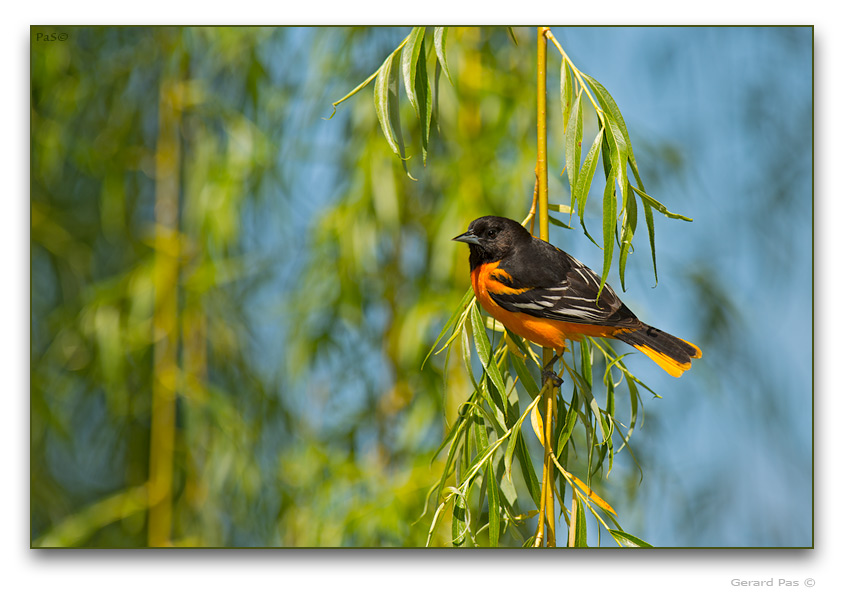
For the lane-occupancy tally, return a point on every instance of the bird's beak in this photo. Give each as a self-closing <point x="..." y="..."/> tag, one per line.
<point x="468" y="237"/>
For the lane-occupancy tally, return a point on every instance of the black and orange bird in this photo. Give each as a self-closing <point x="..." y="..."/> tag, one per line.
<point x="542" y="294"/>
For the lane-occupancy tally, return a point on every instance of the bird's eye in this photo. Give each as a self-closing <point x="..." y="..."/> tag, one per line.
<point x="492" y="233"/>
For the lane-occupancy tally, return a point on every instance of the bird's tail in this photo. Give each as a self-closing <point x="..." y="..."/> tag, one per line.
<point x="673" y="354"/>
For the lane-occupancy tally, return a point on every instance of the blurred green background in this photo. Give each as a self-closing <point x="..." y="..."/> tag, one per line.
<point x="231" y="296"/>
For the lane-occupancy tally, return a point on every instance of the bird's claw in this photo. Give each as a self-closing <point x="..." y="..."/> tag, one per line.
<point x="549" y="375"/>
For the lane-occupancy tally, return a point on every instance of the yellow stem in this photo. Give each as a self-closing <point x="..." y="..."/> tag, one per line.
<point x="546" y="512"/>
<point x="165" y="325"/>
<point x="577" y="75"/>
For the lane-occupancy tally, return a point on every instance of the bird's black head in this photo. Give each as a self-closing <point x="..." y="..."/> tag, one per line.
<point x="492" y="238"/>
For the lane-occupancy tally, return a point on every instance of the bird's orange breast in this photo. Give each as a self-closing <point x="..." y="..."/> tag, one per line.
<point x="543" y="331"/>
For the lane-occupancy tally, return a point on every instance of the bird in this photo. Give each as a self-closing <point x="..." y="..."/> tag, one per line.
<point x="543" y="294"/>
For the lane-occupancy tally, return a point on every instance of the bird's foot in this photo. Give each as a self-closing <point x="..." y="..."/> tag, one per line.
<point x="549" y="375"/>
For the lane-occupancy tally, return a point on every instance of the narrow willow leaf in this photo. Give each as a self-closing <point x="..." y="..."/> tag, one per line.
<point x="566" y="92"/>
<point x="558" y="223"/>
<point x="584" y="179"/>
<point x="563" y="208"/>
<point x="580" y="526"/>
<point x="536" y="423"/>
<point x="634" y="403"/>
<point x="518" y="342"/>
<point x="423" y="96"/>
<point x="586" y="361"/>
<point x="467" y="354"/>
<point x="459" y="526"/>
<point x="587" y="394"/>
<point x="628" y="228"/>
<point x="568" y="427"/>
<point x="650" y="201"/>
<point x="533" y="391"/>
<point x="599" y="417"/>
<point x="649" y="216"/>
<point x="485" y="350"/>
<point x="387" y="106"/>
<point x="525" y="377"/>
<point x="574" y="138"/>
<point x="493" y="501"/>
<point x="435" y="113"/>
<point x="515" y="433"/>
<point x="629" y="540"/>
<point x="467" y="297"/>
<point x="619" y="158"/>
<point x="385" y="92"/>
<point x="449" y="439"/>
<point x="456" y="444"/>
<point x="610" y="106"/>
<point x="609" y="229"/>
<point x="624" y="148"/>
<point x="592" y="496"/>
<point x="610" y="412"/>
<point x="649" y="221"/>
<point x="409" y="61"/>
<point x="352" y="93"/>
<point x="513" y="35"/>
<point x="440" y="35"/>
<point x="526" y="465"/>
<point x="614" y="152"/>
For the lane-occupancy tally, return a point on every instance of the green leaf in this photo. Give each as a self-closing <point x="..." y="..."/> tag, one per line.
<point x="513" y="443"/>
<point x="440" y="34"/>
<point x="385" y="91"/>
<point x="527" y="468"/>
<point x="574" y="138"/>
<point x="619" y="158"/>
<point x="423" y="95"/>
<point x="387" y="106"/>
<point x="609" y="419"/>
<point x="409" y="61"/>
<point x="459" y="521"/>
<point x="649" y="221"/>
<point x="457" y="432"/>
<point x="494" y="505"/>
<point x="580" y="526"/>
<point x="584" y="179"/>
<point x="628" y="540"/>
<point x="628" y="228"/>
<point x="416" y="83"/>
<point x="525" y="377"/>
<point x="586" y="390"/>
<point x="609" y="230"/>
<point x="566" y="92"/>
<point x="448" y="439"/>
<point x="568" y="427"/>
<point x="650" y="201"/>
<point x="352" y="92"/>
<point x="611" y="107"/>
<point x="485" y="350"/>
<point x="467" y="296"/>
<point x="533" y="391"/>
<point x="513" y="36"/>
<point x="586" y="361"/>
<point x="558" y="223"/>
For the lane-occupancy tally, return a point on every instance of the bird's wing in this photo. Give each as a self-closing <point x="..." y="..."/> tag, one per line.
<point x="566" y="290"/>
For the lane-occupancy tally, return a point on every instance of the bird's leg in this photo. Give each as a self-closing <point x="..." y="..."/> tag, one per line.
<point x="548" y="372"/>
